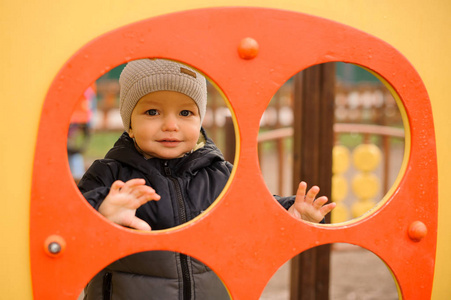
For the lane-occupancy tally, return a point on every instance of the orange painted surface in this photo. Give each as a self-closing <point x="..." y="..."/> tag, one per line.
<point x="82" y="113"/>
<point x="243" y="239"/>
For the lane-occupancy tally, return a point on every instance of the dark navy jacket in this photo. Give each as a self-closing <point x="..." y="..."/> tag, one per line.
<point x="187" y="186"/>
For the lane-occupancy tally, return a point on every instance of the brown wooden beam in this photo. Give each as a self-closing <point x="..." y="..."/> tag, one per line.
<point x="230" y="142"/>
<point x="312" y="162"/>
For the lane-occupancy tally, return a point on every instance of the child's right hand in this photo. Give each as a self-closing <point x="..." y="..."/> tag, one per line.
<point x="124" y="199"/>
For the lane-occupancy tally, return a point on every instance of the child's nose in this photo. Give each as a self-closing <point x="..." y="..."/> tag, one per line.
<point x="170" y="123"/>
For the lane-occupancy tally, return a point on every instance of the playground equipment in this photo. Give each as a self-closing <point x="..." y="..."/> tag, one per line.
<point x="248" y="59"/>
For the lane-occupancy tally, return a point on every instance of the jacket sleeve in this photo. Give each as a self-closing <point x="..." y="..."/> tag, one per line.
<point x="286" y="202"/>
<point x="96" y="182"/>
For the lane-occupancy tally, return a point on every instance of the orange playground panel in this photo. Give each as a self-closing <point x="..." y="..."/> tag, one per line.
<point x="246" y="236"/>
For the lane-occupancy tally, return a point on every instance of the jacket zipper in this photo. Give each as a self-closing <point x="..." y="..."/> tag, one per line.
<point x="183" y="219"/>
<point x="107" y="286"/>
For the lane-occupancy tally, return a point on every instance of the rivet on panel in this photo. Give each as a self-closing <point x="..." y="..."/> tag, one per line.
<point x="417" y="231"/>
<point x="248" y="48"/>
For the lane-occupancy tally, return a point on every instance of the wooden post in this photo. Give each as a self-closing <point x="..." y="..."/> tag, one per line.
<point x="230" y="144"/>
<point x="280" y="146"/>
<point x="312" y="163"/>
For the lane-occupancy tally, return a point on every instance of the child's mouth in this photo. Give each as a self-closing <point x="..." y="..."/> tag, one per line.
<point x="169" y="143"/>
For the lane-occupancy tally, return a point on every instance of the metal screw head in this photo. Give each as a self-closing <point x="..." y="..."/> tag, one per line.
<point x="54" y="248"/>
<point x="54" y="245"/>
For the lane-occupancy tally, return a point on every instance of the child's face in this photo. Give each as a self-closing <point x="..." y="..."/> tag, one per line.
<point x="165" y="124"/>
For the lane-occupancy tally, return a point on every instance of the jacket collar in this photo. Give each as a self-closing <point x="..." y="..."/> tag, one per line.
<point x="125" y="152"/>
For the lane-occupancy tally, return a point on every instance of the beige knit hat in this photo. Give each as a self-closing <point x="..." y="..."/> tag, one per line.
<point x="144" y="76"/>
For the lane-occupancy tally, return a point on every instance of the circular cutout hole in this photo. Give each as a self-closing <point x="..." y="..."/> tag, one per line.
<point x="96" y="126"/>
<point x="156" y="274"/>
<point x="365" y="140"/>
<point x="355" y="273"/>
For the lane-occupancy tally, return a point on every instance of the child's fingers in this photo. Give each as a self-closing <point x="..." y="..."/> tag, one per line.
<point x="132" y="183"/>
<point x="144" y="190"/>
<point x="140" y="189"/>
<point x="138" y="224"/>
<point x="312" y="192"/>
<point x="318" y="203"/>
<point x="327" y="208"/>
<point x="116" y="186"/>
<point x="146" y="197"/>
<point x="300" y="193"/>
<point x="139" y="195"/>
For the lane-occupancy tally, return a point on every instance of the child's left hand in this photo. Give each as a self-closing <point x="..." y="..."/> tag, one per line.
<point x="305" y="206"/>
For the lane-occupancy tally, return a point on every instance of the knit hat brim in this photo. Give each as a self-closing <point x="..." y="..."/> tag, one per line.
<point x="144" y="76"/>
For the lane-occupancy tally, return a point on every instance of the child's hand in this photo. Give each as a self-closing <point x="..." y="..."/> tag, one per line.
<point x="305" y="206"/>
<point x="123" y="200"/>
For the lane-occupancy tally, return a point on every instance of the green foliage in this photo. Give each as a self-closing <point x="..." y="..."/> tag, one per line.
<point x="100" y="142"/>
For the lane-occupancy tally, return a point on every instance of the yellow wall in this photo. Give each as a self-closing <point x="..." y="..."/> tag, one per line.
<point x="37" y="37"/>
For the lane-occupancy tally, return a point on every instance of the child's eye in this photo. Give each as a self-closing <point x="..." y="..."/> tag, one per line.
<point x="152" y="112"/>
<point x="185" y="113"/>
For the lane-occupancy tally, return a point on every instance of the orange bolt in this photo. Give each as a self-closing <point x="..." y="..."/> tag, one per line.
<point x="417" y="231"/>
<point x="248" y="48"/>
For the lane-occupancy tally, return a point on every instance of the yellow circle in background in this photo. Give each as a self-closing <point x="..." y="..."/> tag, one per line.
<point x="340" y="159"/>
<point x="339" y="188"/>
<point x="365" y="185"/>
<point x="340" y="213"/>
<point x="366" y="157"/>
<point x="361" y="207"/>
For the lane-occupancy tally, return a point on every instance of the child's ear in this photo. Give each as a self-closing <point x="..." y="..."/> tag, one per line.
<point x="130" y="133"/>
